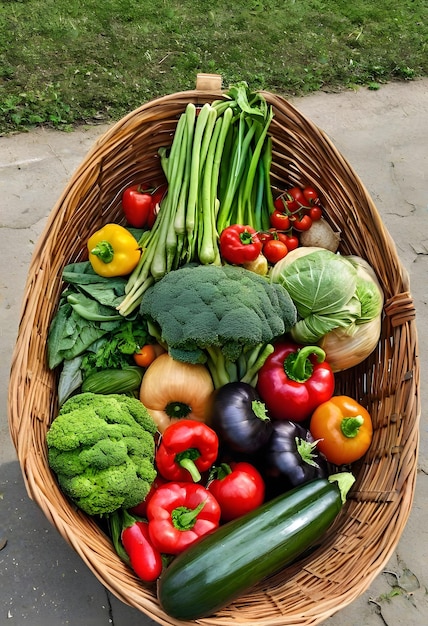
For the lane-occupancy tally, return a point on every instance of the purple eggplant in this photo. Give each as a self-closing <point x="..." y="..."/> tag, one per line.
<point x="292" y="456"/>
<point x="240" y="419"/>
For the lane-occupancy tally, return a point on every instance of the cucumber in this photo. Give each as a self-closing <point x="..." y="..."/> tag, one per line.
<point x="114" y="380"/>
<point x="224" y="564"/>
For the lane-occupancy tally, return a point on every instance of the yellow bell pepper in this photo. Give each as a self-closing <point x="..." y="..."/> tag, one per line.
<point x="113" y="251"/>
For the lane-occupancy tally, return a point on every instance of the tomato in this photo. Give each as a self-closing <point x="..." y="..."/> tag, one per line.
<point x="296" y="194"/>
<point x="275" y="250"/>
<point x="280" y="220"/>
<point x="273" y="233"/>
<point x="282" y="237"/>
<point x="292" y="242"/>
<point x="238" y="488"/>
<point x="145" y="355"/>
<point x="286" y="203"/>
<point x="311" y="195"/>
<point x="280" y="203"/>
<point x="302" y="223"/>
<point x="265" y="235"/>
<point x="315" y="213"/>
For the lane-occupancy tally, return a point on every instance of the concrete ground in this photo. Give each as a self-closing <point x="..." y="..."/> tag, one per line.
<point x="384" y="135"/>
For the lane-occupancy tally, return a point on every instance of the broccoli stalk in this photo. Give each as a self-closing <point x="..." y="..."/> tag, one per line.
<point x="245" y="370"/>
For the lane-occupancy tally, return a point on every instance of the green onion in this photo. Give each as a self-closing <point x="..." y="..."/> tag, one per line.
<point x="218" y="173"/>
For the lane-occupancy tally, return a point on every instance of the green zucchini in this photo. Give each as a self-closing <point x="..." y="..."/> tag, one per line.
<point x="114" y="380"/>
<point x="226" y="563"/>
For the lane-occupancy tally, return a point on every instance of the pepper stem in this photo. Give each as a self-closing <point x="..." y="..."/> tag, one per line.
<point x="184" y="518"/>
<point x="186" y="459"/>
<point x="246" y="237"/>
<point x="104" y="251"/>
<point x="297" y="365"/>
<point x="220" y="472"/>
<point x="350" y="426"/>
<point x="190" y="466"/>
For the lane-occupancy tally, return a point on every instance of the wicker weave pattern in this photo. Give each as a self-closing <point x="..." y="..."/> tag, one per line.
<point x="387" y="383"/>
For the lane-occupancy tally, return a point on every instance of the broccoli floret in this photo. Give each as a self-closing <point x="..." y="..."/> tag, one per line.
<point x="212" y="314"/>
<point x="119" y="409"/>
<point x="101" y="447"/>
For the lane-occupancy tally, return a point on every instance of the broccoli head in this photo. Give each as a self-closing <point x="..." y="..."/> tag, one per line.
<point x="211" y="312"/>
<point x="101" y="448"/>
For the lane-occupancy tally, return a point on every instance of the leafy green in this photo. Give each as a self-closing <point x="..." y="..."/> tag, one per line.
<point x="114" y="350"/>
<point x="70" y="334"/>
<point x="319" y="283"/>
<point x="70" y="379"/>
<point x="106" y="291"/>
<point x="87" y="323"/>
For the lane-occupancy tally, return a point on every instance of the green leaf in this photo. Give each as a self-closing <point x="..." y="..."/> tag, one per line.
<point x="70" y="379"/>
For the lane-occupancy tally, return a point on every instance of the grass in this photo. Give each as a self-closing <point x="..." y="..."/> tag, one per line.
<point x="67" y="62"/>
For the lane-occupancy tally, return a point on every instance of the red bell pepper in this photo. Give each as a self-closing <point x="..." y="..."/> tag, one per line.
<point x="179" y="514"/>
<point x="133" y="544"/>
<point x="239" y="244"/>
<point x="294" y="380"/>
<point x="238" y="488"/>
<point x="140" y="204"/>
<point x="187" y="448"/>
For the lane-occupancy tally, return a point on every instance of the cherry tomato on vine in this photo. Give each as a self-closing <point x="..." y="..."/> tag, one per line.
<point x="280" y="220"/>
<point x="273" y="233"/>
<point x="275" y="250"/>
<point x="282" y="237"/>
<point x="292" y="242"/>
<point x="265" y="235"/>
<point x="302" y="223"/>
<point x="315" y="213"/>
<point x="296" y="194"/>
<point x="280" y="203"/>
<point x="311" y="195"/>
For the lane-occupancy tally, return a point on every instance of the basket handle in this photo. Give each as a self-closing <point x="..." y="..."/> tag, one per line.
<point x="208" y="82"/>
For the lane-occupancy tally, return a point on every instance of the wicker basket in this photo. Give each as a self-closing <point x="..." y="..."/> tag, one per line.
<point x="387" y="383"/>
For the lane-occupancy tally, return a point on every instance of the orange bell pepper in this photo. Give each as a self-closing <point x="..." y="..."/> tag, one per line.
<point x="343" y="429"/>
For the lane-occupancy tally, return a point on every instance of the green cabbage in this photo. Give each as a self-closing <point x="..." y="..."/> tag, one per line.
<point x="329" y="291"/>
